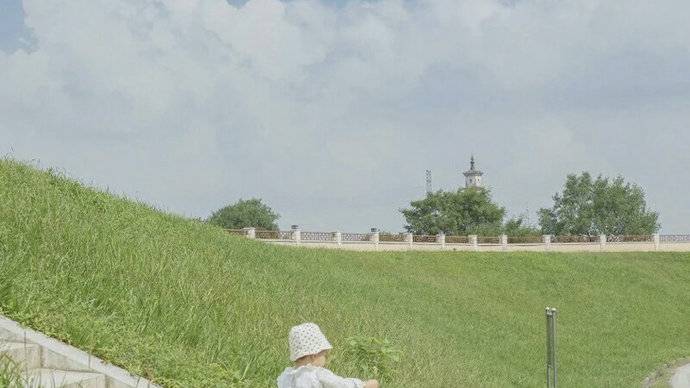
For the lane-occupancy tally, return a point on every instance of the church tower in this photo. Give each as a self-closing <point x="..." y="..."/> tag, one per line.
<point x="473" y="177"/>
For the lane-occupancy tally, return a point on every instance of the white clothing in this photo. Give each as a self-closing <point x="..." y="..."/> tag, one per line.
<point x="310" y="376"/>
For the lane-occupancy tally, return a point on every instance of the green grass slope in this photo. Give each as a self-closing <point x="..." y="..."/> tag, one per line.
<point x="187" y="305"/>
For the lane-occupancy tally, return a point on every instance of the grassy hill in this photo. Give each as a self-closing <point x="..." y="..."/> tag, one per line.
<point x="187" y="305"/>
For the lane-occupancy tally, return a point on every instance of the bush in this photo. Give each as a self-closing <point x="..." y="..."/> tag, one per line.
<point x="245" y="213"/>
<point x="373" y="357"/>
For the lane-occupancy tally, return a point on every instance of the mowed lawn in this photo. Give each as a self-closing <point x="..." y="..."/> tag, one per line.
<point x="187" y="305"/>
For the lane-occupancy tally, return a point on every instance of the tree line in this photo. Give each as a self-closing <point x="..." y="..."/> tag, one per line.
<point x="585" y="206"/>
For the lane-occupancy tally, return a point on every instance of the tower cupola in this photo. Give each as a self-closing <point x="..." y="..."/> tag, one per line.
<point x="473" y="177"/>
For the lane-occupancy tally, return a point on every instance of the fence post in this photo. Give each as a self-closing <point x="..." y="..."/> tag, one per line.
<point x="504" y="241"/>
<point x="602" y="241"/>
<point x="338" y="238"/>
<point x="374" y="236"/>
<point x="657" y="241"/>
<point x="551" y="370"/>
<point x="250" y="232"/>
<point x="441" y="239"/>
<point x="409" y="238"/>
<point x="296" y="234"/>
<point x="473" y="241"/>
<point x="547" y="241"/>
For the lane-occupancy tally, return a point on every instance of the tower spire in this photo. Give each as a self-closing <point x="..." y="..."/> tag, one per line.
<point x="473" y="177"/>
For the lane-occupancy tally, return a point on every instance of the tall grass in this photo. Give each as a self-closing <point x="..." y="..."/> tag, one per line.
<point x="11" y="373"/>
<point x="187" y="305"/>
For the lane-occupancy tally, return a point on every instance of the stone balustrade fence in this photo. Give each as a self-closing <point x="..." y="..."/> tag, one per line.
<point x="375" y="240"/>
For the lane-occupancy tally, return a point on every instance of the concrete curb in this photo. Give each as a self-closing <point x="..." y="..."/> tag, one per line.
<point x="75" y="355"/>
<point x="681" y="377"/>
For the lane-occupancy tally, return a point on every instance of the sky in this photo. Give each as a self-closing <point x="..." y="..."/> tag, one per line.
<point x="331" y="111"/>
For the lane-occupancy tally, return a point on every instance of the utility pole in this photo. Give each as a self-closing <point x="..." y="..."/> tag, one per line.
<point x="551" y="370"/>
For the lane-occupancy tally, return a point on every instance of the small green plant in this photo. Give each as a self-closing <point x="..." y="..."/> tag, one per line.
<point x="373" y="356"/>
<point x="10" y="373"/>
<point x="214" y="375"/>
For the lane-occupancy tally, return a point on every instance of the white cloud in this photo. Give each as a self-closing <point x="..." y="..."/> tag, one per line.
<point x="332" y="113"/>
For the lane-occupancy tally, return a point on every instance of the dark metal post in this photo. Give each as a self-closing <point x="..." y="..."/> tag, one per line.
<point x="551" y="370"/>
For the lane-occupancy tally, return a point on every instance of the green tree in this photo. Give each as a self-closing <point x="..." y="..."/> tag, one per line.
<point x="517" y="227"/>
<point x="466" y="211"/>
<point x="245" y="213"/>
<point x="590" y="206"/>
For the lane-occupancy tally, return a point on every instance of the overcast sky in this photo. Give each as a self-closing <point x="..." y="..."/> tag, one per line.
<point x="331" y="111"/>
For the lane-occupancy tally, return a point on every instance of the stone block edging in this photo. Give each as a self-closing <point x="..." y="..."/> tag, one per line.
<point x="76" y="355"/>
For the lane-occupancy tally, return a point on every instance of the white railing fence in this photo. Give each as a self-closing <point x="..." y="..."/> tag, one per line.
<point x="376" y="237"/>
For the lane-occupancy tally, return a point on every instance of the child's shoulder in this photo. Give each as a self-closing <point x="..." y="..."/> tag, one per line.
<point x="302" y="370"/>
<point x="307" y="375"/>
<point x="305" y="369"/>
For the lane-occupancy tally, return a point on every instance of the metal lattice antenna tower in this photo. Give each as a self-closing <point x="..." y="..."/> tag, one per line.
<point x="428" y="181"/>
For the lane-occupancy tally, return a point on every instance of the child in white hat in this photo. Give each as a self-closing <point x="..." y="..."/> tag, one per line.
<point x="308" y="348"/>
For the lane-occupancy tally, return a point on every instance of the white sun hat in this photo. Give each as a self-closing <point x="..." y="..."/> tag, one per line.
<point x="307" y="339"/>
